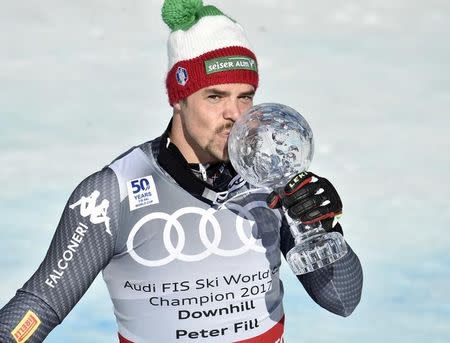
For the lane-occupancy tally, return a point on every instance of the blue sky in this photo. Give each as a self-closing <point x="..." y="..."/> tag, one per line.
<point x="83" y="81"/>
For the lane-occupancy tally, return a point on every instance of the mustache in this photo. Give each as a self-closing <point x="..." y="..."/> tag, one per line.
<point x="224" y="127"/>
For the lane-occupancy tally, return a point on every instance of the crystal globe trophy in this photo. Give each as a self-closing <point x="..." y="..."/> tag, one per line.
<point x="268" y="146"/>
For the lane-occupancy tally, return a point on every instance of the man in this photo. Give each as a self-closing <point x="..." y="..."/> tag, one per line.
<point x="189" y="251"/>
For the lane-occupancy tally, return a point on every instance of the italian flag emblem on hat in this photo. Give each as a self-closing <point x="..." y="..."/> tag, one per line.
<point x="205" y="48"/>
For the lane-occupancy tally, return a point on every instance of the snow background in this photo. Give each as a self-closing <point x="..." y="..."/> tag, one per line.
<point x="81" y="82"/>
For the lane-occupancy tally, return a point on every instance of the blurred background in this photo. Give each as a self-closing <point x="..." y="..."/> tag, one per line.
<point x="81" y="82"/>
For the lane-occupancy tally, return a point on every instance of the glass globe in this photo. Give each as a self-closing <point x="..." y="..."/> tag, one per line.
<point x="270" y="144"/>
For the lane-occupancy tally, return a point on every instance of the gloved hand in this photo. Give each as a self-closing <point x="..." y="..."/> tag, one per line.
<point x="310" y="199"/>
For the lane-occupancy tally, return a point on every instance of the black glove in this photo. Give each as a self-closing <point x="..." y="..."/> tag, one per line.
<point x="310" y="199"/>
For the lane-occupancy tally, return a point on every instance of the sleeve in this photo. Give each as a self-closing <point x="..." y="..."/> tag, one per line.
<point x="336" y="287"/>
<point x="81" y="247"/>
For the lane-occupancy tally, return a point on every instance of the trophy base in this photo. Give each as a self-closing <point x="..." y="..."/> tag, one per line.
<point x="315" y="252"/>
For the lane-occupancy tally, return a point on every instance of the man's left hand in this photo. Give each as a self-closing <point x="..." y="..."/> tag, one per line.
<point x="310" y="199"/>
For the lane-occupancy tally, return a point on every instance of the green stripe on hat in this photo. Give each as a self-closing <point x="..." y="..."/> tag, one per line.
<point x="230" y="63"/>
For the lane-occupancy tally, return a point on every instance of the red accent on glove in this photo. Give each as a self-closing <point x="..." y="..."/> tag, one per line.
<point x="303" y="183"/>
<point x="274" y="202"/>
<point x="322" y="217"/>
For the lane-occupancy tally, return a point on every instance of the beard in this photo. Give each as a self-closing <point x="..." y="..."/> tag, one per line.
<point x="215" y="147"/>
<point x="220" y="154"/>
<point x="224" y="128"/>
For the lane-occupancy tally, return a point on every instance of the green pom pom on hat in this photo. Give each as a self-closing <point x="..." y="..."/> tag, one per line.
<point x="183" y="14"/>
<point x="205" y="47"/>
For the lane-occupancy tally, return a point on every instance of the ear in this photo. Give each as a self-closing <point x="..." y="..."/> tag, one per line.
<point x="177" y="107"/>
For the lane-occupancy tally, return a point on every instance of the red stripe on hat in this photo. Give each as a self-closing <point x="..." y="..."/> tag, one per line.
<point x="196" y="77"/>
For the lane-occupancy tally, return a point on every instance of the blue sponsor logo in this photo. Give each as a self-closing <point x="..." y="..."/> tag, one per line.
<point x="182" y="76"/>
<point x="142" y="192"/>
<point x="140" y="185"/>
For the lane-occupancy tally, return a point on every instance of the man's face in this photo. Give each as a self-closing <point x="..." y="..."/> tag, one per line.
<point x="208" y="115"/>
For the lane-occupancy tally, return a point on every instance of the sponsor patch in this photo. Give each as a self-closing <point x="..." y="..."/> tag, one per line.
<point x="230" y="63"/>
<point x="27" y="326"/>
<point x="182" y="76"/>
<point x="142" y="192"/>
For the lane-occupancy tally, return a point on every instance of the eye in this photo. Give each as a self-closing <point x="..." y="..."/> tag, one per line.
<point x="246" y="98"/>
<point x="214" y="98"/>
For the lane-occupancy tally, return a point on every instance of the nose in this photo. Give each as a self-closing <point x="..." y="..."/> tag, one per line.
<point x="232" y="110"/>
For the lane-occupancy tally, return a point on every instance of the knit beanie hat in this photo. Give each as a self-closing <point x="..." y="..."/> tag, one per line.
<point x="205" y="47"/>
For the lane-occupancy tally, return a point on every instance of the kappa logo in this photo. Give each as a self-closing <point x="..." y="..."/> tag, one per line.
<point x="182" y="76"/>
<point x="236" y="183"/>
<point x="97" y="213"/>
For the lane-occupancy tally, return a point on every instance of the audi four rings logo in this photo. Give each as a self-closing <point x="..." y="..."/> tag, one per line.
<point x="211" y="247"/>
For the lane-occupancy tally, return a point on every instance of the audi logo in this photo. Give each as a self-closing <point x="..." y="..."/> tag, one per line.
<point x="211" y="247"/>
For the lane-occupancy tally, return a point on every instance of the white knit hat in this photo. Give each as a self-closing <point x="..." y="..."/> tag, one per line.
<point x="204" y="48"/>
